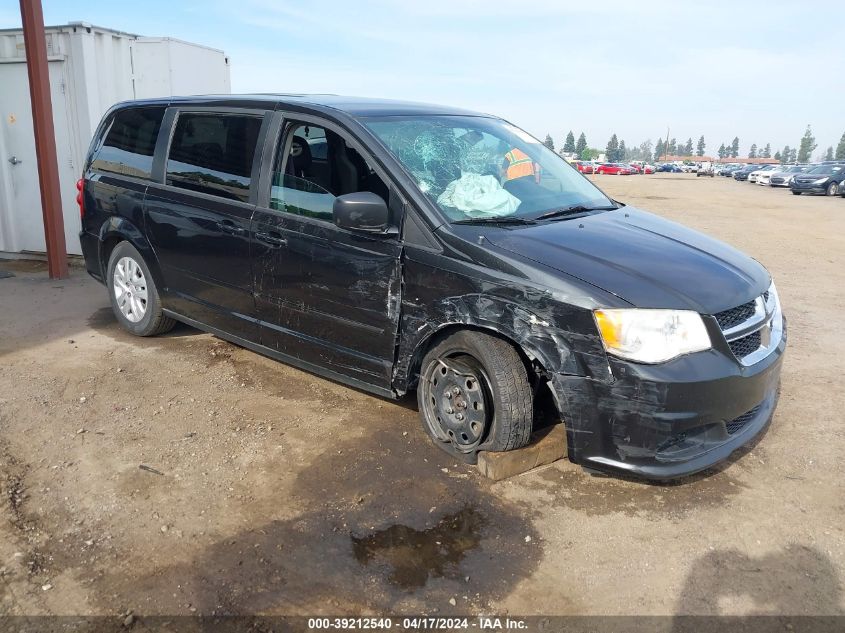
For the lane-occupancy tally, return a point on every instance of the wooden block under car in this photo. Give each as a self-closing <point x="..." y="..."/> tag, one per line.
<point x="546" y="446"/>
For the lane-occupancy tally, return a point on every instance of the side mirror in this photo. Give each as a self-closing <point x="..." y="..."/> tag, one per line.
<point x="361" y="211"/>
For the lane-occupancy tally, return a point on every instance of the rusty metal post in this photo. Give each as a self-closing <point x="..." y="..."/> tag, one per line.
<point x="35" y="44"/>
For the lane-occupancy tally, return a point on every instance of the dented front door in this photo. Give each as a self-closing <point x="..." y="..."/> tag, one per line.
<point x="326" y="295"/>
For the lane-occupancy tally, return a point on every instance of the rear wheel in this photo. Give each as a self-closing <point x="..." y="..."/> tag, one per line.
<point x="134" y="297"/>
<point x="474" y="395"/>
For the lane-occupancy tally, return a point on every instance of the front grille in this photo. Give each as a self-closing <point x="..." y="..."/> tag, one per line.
<point x="733" y="317"/>
<point x="777" y="181"/>
<point x="756" y="314"/>
<point x="732" y="426"/>
<point x="744" y="346"/>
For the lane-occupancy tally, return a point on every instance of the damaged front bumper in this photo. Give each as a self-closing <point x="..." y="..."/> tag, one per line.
<point x="669" y="420"/>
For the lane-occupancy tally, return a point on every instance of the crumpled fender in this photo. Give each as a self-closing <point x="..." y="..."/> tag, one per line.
<point x="554" y="337"/>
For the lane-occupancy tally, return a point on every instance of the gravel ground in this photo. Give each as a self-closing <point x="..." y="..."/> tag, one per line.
<point x="182" y="474"/>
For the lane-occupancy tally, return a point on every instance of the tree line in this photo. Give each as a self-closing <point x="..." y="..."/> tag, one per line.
<point x="617" y="150"/>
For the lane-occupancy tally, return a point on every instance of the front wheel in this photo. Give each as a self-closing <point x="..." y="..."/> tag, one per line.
<point x="134" y="297"/>
<point x="474" y="395"/>
<point x="796" y="193"/>
<point x="832" y="189"/>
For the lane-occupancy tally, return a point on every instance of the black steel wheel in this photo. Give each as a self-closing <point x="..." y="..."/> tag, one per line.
<point x="474" y="394"/>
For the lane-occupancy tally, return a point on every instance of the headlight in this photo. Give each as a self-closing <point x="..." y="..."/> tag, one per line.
<point x="651" y="336"/>
<point x="773" y="304"/>
<point x="819" y="181"/>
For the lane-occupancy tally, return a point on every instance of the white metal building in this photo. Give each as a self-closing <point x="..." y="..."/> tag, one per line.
<point x="90" y="68"/>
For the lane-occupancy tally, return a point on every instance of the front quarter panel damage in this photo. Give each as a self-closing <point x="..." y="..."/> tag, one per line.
<point x="555" y="334"/>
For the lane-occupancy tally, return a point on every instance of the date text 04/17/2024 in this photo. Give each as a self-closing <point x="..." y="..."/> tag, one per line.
<point x="422" y="623"/>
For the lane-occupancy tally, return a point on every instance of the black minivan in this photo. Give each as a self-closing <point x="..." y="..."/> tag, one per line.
<point x="398" y="246"/>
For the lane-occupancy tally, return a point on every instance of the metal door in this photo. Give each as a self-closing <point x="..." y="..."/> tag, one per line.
<point x="22" y="225"/>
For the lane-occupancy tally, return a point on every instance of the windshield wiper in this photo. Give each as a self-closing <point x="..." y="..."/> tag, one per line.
<point x="573" y="210"/>
<point x="509" y="219"/>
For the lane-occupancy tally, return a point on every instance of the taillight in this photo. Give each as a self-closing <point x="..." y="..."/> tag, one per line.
<point x="80" y="197"/>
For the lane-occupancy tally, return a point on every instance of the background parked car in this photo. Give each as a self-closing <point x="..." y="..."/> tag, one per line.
<point x="826" y="179"/>
<point x="584" y="167"/>
<point x="706" y="169"/>
<point x="783" y="176"/>
<point x="754" y="175"/>
<point x="614" y="169"/>
<point x="761" y="176"/>
<point x="742" y="174"/>
<point x="648" y="169"/>
<point x="728" y="169"/>
<point x="669" y="167"/>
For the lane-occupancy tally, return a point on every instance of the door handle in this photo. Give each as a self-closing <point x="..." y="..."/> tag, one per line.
<point x="228" y="226"/>
<point x="15" y="160"/>
<point x="272" y="238"/>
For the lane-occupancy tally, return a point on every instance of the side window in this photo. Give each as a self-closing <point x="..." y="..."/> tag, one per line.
<point x="213" y="153"/>
<point x="313" y="166"/>
<point x="130" y="142"/>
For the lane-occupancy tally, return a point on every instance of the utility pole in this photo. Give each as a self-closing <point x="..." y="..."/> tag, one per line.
<point x="35" y="45"/>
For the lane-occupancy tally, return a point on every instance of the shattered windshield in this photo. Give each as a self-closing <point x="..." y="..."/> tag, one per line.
<point x="481" y="167"/>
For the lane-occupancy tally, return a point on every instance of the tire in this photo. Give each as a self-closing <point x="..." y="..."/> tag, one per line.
<point x="797" y="193"/>
<point x="832" y="189"/>
<point x="474" y="395"/>
<point x="133" y="294"/>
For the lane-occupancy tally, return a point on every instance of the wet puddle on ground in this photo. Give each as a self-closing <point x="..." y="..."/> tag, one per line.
<point x="415" y="556"/>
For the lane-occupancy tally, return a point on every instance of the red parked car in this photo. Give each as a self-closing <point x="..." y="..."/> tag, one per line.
<point x="613" y="169"/>
<point x="584" y="168"/>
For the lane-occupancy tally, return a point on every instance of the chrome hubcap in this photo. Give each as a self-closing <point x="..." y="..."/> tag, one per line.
<point x="130" y="289"/>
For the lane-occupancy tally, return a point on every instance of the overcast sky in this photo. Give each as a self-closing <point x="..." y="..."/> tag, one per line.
<point x="758" y="70"/>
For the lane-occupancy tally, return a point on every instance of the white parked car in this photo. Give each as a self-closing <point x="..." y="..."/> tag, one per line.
<point x="766" y="172"/>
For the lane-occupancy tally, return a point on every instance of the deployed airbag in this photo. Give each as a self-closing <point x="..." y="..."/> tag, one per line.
<point x="477" y="195"/>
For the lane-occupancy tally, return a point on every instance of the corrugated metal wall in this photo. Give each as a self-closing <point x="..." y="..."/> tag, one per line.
<point x="95" y="68"/>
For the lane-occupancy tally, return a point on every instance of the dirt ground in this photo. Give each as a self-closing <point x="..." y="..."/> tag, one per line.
<point x="268" y="490"/>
